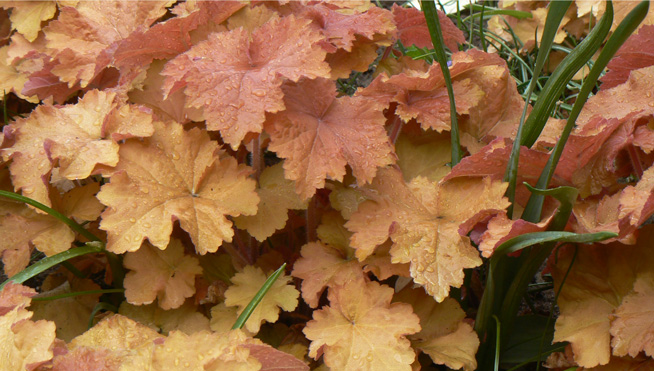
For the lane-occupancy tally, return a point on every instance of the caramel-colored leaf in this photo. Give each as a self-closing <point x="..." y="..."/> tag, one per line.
<point x="168" y="275"/>
<point x="247" y="283"/>
<point x="427" y="223"/>
<point x="277" y="198"/>
<point x="175" y="175"/>
<point x="362" y="330"/>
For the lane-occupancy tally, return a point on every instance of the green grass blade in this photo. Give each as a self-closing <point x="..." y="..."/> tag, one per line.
<point x="498" y="333"/>
<point x="436" y="34"/>
<point x="554" y="17"/>
<point x="534" y="206"/>
<point x="51" y="261"/>
<point x="69" y="222"/>
<point x="98" y="307"/>
<point x="530" y="239"/>
<point x="562" y="75"/>
<point x="240" y="321"/>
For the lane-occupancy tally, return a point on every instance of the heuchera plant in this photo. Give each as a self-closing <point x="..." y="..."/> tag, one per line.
<point x="166" y="158"/>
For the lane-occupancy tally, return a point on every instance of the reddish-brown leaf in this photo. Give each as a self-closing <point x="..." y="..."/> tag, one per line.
<point x="634" y="54"/>
<point x="318" y="134"/>
<point x="412" y="29"/>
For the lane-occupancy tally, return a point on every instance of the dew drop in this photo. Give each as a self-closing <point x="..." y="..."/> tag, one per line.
<point x="200" y="357"/>
<point x="430" y="269"/>
<point x="127" y="238"/>
<point x="259" y="92"/>
<point x="132" y="220"/>
<point x="356" y="356"/>
<point x="369" y="358"/>
<point x="176" y="361"/>
<point x="28" y="190"/>
<point x="145" y="190"/>
<point x="175" y="156"/>
<point x="180" y="67"/>
<point x="207" y="102"/>
<point x="146" y="225"/>
<point x="136" y="239"/>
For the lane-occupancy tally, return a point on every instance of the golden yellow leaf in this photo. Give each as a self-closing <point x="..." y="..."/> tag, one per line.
<point x="186" y="318"/>
<point x="362" y="330"/>
<point x="247" y="283"/>
<point x="168" y="275"/>
<point x="427" y="223"/>
<point x="277" y="196"/>
<point x="174" y="175"/>
<point x="24" y="342"/>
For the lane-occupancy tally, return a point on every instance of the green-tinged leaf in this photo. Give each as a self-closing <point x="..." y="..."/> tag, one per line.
<point x="628" y="25"/>
<point x="240" y="321"/>
<point x="436" y="34"/>
<point x="51" y="261"/>
<point x="554" y="17"/>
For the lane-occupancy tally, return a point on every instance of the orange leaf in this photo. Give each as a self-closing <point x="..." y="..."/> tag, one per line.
<point x="204" y="350"/>
<point x="427" y="223"/>
<point x="175" y="175"/>
<point x="83" y="38"/>
<point x="445" y="336"/>
<point x="77" y="137"/>
<point x="26" y="344"/>
<point x="412" y="29"/>
<point x="318" y="134"/>
<point x="26" y="17"/>
<point x="186" y="318"/>
<point x="277" y="198"/>
<point x="247" y="283"/>
<point x="168" y="275"/>
<point x="236" y="77"/>
<point x="362" y="330"/>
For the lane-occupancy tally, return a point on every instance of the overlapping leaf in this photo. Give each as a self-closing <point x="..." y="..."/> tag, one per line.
<point x="485" y="96"/>
<point x="427" y="223"/>
<point x="168" y="275"/>
<point x="83" y="38"/>
<point x="412" y="29"/>
<point x="444" y="336"/>
<point x="277" y="196"/>
<point x="247" y="283"/>
<point x="362" y="330"/>
<point x="603" y="285"/>
<point x="25" y="343"/>
<point x="236" y="77"/>
<point x="76" y="138"/>
<point x="318" y="134"/>
<point x="634" y="54"/>
<point x="174" y="175"/>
